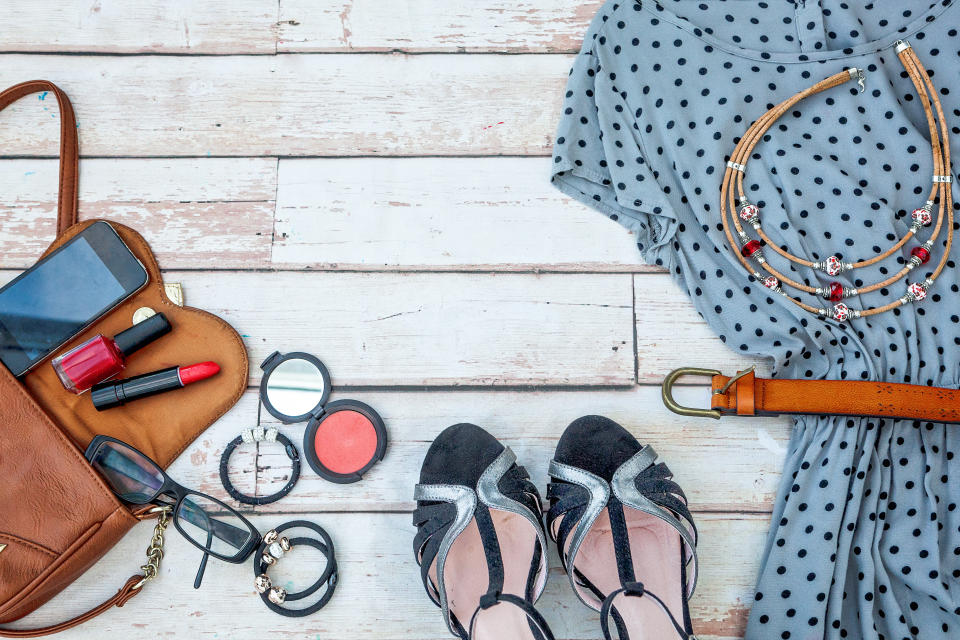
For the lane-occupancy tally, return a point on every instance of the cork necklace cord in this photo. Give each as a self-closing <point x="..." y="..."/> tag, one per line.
<point x="833" y="265"/>
<point x="757" y="132"/>
<point x="747" y="249"/>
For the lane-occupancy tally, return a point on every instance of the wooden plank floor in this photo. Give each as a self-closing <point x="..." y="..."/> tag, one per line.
<point x="367" y="181"/>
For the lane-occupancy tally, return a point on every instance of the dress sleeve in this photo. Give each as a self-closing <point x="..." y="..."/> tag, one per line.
<point x="599" y="158"/>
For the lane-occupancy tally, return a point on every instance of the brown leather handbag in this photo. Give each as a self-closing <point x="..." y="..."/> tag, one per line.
<point x="57" y="517"/>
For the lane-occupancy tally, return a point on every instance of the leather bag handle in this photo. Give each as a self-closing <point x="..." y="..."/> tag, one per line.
<point x="69" y="146"/>
<point x="130" y="588"/>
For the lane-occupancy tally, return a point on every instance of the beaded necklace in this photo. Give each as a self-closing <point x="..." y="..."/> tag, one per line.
<point x="748" y="249"/>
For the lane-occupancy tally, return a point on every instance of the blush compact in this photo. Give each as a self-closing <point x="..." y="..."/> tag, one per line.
<point x="343" y="438"/>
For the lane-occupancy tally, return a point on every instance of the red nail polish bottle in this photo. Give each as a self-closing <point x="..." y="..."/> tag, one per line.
<point x="101" y="358"/>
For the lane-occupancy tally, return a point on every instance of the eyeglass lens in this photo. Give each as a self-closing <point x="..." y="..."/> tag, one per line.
<point x="208" y="523"/>
<point x="212" y="525"/>
<point x="133" y="476"/>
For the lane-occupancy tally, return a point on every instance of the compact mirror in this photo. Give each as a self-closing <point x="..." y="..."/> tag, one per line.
<point x="294" y="386"/>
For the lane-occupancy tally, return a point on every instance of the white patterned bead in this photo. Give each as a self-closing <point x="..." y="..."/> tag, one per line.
<point x="922" y="216"/>
<point x="841" y="312"/>
<point x="770" y="282"/>
<point x="276" y="550"/>
<point x="832" y="266"/>
<point x="277" y="595"/>
<point x="749" y="213"/>
<point x="917" y="291"/>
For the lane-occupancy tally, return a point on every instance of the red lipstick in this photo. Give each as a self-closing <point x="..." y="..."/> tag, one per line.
<point x="113" y="394"/>
<point x="198" y="372"/>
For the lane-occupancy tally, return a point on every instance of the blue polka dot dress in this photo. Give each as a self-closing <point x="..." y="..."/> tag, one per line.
<point x="865" y="536"/>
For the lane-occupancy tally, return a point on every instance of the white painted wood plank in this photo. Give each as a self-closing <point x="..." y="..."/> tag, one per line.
<point x="252" y="26"/>
<point x="497" y="214"/>
<point x="292" y="105"/>
<point x="671" y="334"/>
<point x="489" y="214"/>
<point x="379" y="595"/>
<point x="434" y="25"/>
<point x="747" y="454"/>
<point x="195" y="212"/>
<point x="138" y="26"/>
<point x="414" y="329"/>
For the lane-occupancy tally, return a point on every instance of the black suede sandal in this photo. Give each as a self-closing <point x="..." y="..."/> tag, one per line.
<point x="480" y="541"/>
<point x="624" y="531"/>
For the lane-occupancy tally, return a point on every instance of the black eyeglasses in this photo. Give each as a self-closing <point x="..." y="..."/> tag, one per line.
<point x="209" y="524"/>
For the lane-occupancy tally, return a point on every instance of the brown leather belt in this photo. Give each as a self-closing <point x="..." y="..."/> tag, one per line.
<point x="747" y="395"/>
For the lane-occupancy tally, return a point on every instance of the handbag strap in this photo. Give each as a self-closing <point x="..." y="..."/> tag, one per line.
<point x="130" y="588"/>
<point x="69" y="146"/>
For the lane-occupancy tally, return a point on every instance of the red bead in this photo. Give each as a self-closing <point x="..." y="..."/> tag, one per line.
<point x="750" y="248"/>
<point x="834" y="293"/>
<point x="922" y="254"/>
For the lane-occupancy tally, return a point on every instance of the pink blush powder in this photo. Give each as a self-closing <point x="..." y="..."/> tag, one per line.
<point x="345" y="441"/>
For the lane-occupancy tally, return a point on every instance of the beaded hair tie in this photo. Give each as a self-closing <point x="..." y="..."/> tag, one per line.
<point x="748" y="249"/>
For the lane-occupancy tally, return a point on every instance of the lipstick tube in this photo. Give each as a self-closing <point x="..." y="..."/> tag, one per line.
<point x="108" y="395"/>
<point x="100" y="358"/>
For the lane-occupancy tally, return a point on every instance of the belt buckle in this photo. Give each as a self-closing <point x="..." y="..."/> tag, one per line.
<point x="673" y="405"/>
<point x="676" y="374"/>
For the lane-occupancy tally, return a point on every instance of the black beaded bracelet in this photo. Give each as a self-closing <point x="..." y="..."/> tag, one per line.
<point x="272" y="548"/>
<point x="259" y="434"/>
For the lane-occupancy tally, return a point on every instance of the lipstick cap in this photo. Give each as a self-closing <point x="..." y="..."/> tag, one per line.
<point x="105" y="396"/>
<point x="142" y="334"/>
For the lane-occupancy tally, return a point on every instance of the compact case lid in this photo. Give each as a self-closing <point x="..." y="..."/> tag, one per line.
<point x="295" y="386"/>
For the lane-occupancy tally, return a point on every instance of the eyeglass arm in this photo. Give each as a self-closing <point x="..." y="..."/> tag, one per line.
<point x="234" y="536"/>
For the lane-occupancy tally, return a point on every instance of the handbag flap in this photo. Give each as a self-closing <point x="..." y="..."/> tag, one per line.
<point x="160" y="426"/>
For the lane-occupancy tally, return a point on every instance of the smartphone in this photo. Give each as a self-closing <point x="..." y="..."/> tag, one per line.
<point x="60" y="296"/>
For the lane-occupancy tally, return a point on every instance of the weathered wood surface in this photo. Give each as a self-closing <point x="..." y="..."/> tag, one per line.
<point x="438" y="329"/>
<point x="267" y="26"/>
<point x="413" y="330"/>
<point x="364" y="214"/>
<point x="746" y="453"/>
<point x="292" y="105"/>
<point x="197" y="213"/>
<point x="494" y="214"/>
<point x="139" y="26"/>
<point x="435" y="25"/>
<point x="379" y="596"/>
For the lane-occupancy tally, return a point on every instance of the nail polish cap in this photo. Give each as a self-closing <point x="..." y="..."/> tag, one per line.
<point x="142" y="334"/>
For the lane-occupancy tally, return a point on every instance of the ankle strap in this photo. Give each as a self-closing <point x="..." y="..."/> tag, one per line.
<point x="538" y="625"/>
<point x="635" y="589"/>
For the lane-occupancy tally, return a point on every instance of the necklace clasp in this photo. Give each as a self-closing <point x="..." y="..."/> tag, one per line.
<point x="860" y="75"/>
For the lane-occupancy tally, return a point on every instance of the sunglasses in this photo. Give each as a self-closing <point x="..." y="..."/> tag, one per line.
<point x="207" y="523"/>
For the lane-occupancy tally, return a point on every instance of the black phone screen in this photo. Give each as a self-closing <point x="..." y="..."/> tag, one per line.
<point x="62" y="294"/>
